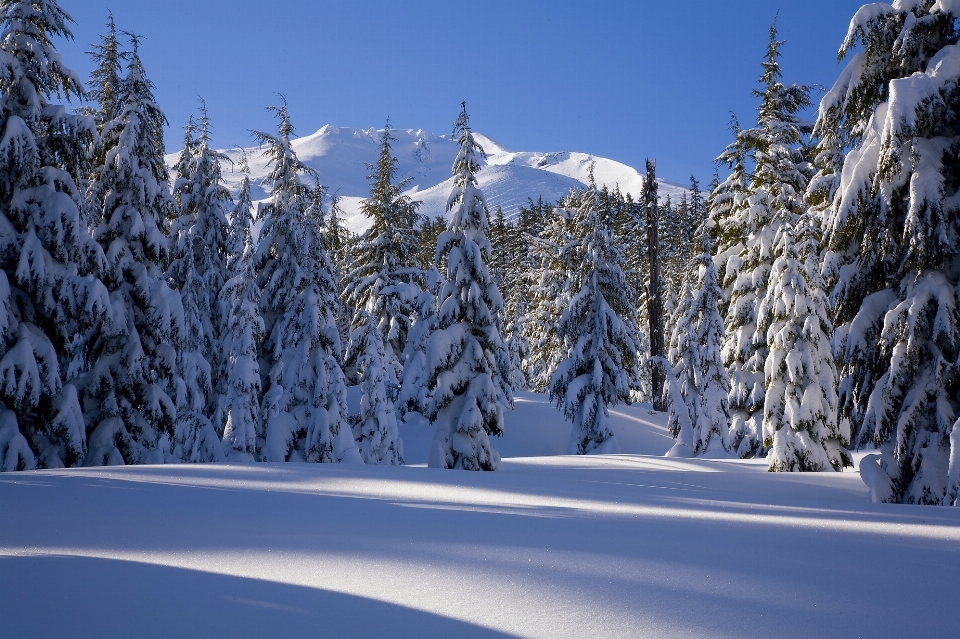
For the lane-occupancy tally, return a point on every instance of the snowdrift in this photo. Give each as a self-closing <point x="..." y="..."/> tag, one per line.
<point x="551" y="546"/>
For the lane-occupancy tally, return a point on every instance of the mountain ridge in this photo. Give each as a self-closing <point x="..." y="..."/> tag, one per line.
<point x="340" y="156"/>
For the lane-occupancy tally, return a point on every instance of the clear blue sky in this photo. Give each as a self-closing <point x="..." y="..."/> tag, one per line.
<point x="624" y="80"/>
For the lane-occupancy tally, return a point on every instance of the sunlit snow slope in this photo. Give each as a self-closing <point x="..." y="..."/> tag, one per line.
<point x="340" y="156"/>
<point x="632" y="545"/>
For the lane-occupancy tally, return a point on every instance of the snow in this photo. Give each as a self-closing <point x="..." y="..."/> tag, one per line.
<point x="602" y="546"/>
<point x="340" y="155"/>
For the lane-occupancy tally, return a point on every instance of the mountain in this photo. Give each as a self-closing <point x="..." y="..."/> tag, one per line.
<point x="340" y="156"/>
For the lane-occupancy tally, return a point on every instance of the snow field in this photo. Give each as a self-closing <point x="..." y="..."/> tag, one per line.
<point x="553" y="546"/>
<point x="340" y="156"/>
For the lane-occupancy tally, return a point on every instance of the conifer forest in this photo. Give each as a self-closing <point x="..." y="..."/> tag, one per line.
<point x="796" y="314"/>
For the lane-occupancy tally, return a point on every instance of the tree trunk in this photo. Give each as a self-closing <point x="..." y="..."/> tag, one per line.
<point x="655" y="287"/>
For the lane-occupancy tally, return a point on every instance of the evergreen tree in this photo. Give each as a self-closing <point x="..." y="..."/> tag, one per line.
<point x="130" y="397"/>
<point x="800" y="412"/>
<point x="52" y="302"/>
<point x="551" y="290"/>
<point x="724" y="204"/>
<point x="892" y="244"/>
<point x="384" y="282"/>
<point x="304" y="402"/>
<point x="199" y="270"/>
<point x="377" y="435"/>
<point x="414" y="392"/>
<point x="340" y="244"/>
<point x="427" y="233"/>
<point x="243" y="334"/>
<point x="517" y="346"/>
<point x="698" y="386"/>
<point x="774" y="199"/>
<point x="241" y="220"/>
<point x="467" y="362"/>
<point x="598" y="329"/>
<point x="105" y="79"/>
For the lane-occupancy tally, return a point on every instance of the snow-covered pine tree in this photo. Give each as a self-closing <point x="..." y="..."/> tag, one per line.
<point x="130" y="396"/>
<point x="724" y="204"/>
<point x="414" y="392"/>
<point x="892" y="243"/>
<point x="597" y="326"/>
<point x="517" y="345"/>
<point x="467" y="362"/>
<point x="384" y="280"/>
<point x="199" y="270"/>
<point x="238" y="397"/>
<point x="774" y="198"/>
<point x="105" y="80"/>
<point x="551" y="290"/>
<point x="698" y="385"/>
<point x="427" y="233"/>
<point x="377" y="434"/>
<point x="304" y="402"/>
<point x="241" y="220"/>
<point x="52" y="303"/>
<point x="800" y="426"/>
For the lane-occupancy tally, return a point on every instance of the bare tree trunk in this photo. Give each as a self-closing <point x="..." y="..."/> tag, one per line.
<point x="655" y="288"/>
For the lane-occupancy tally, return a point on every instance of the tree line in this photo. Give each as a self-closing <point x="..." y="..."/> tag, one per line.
<point x="810" y="293"/>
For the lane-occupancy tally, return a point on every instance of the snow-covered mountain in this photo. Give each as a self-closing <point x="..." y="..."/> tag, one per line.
<point x="340" y="156"/>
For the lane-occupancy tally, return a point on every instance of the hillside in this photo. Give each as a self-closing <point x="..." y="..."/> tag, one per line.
<point x="340" y="156"/>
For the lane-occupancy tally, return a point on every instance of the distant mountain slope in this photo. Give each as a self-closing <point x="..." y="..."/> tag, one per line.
<point x="340" y="156"/>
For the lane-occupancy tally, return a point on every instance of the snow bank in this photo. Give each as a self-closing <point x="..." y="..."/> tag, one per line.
<point x="597" y="546"/>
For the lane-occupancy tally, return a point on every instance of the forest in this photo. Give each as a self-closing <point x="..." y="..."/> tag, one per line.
<point x="801" y="306"/>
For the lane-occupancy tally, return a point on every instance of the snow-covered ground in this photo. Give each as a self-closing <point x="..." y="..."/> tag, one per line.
<point x="632" y="545"/>
<point x="340" y="156"/>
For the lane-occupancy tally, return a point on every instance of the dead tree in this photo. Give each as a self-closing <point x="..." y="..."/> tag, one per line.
<point x="654" y="288"/>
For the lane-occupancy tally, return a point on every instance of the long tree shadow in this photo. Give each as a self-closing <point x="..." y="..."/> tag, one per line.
<point x="60" y="596"/>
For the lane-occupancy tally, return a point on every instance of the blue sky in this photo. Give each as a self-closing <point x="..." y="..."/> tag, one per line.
<point x="625" y="80"/>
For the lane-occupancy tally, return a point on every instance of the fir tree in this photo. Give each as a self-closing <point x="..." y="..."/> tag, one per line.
<point x="800" y="412"/>
<point x="774" y="199"/>
<point x="466" y="360"/>
<point x="892" y="238"/>
<point x="551" y="290"/>
<point x="414" y="392"/>
<point x="241" y="220"/>
<point x="105" y="79"/>
<point x="199" y="270"/>
<point x="304" y="402"/>
<point x="384" y="281"/>
<point x="597" y="371"/>
<point x="698" y="386"/>
<point x="243" y="334"/>
<point x="52" y="302"/>
<point x="377" y="435"/>
<point x="130" y="397"/>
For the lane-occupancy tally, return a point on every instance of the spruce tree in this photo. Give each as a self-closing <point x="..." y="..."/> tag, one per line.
<point x="52" y="302"/>
<point x="304" y="401"/>
<point x="800" y="412"/>
<point x="105" y="79"/>
<point x="199" y="270"/>
<point x="551" y="290"/>
<point x="377" y="435"/>
<point x="238" y="401"/>
<point x="597" y="328"/>
<point x="774" y="199"/>
<point x="467" y="362"/>
<point x="130" y="396"/>
<point x="384" y="281"/>
<point x="698" y="386"/>
<point x="892" y="244"/>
